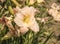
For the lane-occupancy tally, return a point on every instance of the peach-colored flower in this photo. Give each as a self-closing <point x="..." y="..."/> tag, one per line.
<point x="25" y="19"/>
<point x="54" y="11"/>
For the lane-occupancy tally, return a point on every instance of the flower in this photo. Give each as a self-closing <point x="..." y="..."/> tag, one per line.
<point x="54" y="11"/>
<point x="25" y="19"/>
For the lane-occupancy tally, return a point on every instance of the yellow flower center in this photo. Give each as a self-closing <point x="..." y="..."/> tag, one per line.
<point x="26" y="19"/>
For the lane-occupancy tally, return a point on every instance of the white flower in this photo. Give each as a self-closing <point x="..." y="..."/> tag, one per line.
<point x="25" y="19"/>
<point x="54" y="11"/>
<point x="55" y="6"/>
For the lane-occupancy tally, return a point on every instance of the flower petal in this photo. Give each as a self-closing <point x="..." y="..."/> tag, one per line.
<point x="34" y="25"/>
<point x="23" y="30"/>
<point x="17" y="9"/>
<point x="31" y="11"/>
<point x="19" y="20"/>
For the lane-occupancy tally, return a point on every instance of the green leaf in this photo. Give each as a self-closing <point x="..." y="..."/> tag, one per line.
<point x="0" y="25"/>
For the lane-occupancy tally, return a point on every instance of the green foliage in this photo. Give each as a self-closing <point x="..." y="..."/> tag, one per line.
<point x="30" y="37"/>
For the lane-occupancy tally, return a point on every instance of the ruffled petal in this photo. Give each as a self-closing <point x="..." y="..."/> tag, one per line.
<point x="23" y="30"/>
<point x="34" y="25"/>
<point x="28" y="11"/>
<point x="17" y="10"/>
<point x="19" y="20"/>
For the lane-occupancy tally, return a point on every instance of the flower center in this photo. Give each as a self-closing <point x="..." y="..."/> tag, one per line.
<point x="26" y="19"/>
